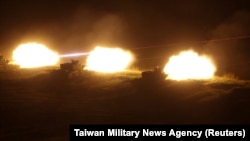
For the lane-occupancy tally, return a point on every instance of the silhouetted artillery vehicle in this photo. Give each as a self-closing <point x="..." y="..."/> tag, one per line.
<point x="6" y="66"/>
<point x="156" y="74"/>
<point x="69" y="70"/>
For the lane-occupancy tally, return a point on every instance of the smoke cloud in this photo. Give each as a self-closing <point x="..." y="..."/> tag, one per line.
<point x="231" y="55"/>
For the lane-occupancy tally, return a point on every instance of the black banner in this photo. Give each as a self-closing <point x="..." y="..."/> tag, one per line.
<point x="159" y="132"/>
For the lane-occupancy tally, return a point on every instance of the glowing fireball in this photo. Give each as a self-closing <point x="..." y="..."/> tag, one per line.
<point x="108" y="60"/>
<point x="189" y="65"/>
<point x="32" y="55"/>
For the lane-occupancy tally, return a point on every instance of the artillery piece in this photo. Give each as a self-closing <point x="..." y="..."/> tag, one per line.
<point x="156" y="74"/>
<point x="72" y="69"/>
<point x="69" y="70"/>
<point x="6" y="66"/>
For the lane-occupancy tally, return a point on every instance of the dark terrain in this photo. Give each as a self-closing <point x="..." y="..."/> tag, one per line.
<point x="41" y="106"/>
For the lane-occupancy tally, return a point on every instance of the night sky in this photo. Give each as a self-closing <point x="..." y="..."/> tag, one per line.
<point x="164" y="26"/>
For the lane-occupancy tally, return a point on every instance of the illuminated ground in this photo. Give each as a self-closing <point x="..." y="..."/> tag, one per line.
<point x="35" y="104"/>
